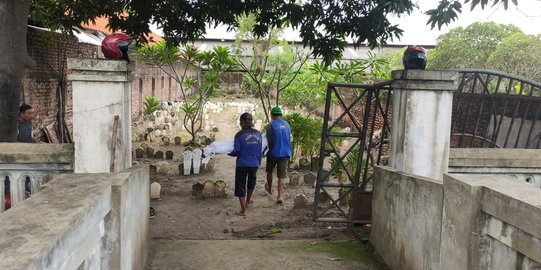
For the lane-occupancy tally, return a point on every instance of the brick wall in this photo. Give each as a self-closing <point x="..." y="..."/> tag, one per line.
<point x="152" y="81"/>
<point x="40" y="84"/>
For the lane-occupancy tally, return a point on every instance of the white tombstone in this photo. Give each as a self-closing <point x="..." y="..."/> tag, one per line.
<point x="197" y="160"/>
<point x="187" y="162"/>
<point x="155" y="190"/>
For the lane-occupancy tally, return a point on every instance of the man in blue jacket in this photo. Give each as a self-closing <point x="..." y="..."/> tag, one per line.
<point x="279" y="138"/>
<point x="248" y="144"/>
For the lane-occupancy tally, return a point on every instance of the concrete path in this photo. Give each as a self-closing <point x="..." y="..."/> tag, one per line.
<point x="259" y="255"/>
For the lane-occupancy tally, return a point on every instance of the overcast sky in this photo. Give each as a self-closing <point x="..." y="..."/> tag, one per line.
<point x="527" y="16"/>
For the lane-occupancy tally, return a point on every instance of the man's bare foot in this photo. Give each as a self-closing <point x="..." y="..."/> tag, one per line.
<point x="241" y="213"/>
<point x="267" y="188"/>
<point x="249" y="203"/>
<point x="279" y="201"/>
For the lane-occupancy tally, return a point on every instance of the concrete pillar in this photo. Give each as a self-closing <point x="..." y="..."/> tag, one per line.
<point x="101" y="90"/>
<point x="421" y="123"/>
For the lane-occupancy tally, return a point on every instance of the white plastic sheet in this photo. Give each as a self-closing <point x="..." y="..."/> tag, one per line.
<point x="224" y="148"/>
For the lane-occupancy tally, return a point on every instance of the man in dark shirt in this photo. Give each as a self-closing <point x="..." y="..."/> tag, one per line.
<point x="248" y="144"/>
<point x="26" y="114"/>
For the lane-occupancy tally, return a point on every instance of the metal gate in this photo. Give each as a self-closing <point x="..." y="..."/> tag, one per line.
<point x="355" y="138"/>
<point x="494" y="109"/>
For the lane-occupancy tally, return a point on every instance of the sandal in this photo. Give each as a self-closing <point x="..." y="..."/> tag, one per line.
<point x="279" y="202"/>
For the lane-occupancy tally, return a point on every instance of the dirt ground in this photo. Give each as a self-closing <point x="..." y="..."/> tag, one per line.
<point x="180" y="218"/>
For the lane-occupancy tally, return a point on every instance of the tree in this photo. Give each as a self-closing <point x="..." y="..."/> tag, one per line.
<point x="468" y="47"/>
<point x="518" y="54"/>
<point x="169" y="57"/>
<point x="324" y="26"/>
<point x="273" y="64"/>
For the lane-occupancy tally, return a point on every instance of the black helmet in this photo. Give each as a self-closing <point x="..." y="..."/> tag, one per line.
<point x="414" y="57"/>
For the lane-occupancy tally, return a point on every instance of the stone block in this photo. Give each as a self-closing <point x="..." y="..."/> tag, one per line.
<point x="155" y="190"/>
<point x="315" y="164"/>
<point x="324" y="200"/>
<point x="300" y="201"/>
<point x="169" y="155"/>
<point x="215" y="129"/>
<point x="144" y="146"/>
<point x="197" y="191"/>
<point x="153" y="169"/>
<point x="310" y="179"/>
<point x="166" y="141"/>
<point x="209" y="189"/>
<point x="159" y="155"/>
<point x="294" y="179"/>
<point x="219" y="189"/>
<point x="209" y="167"/>
<point x="178" y="140"/>
<point x="150" y="152"/>
<point x="139" y="152"/>
<point x="304" y="164"/>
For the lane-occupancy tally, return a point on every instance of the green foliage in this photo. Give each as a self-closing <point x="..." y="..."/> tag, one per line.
<point x="350" y="163"/>
<point x="448" y="10"/>
<point x="324" y="25"/>
<point x="169" y="57"/>
<point x="519" y="54"/>
<point x="274" y="64"/>
<point x="308" y="90"/>
<point x="306" y="133"/>
<point x="151" y="105"/>
<point x="468" y="47"/>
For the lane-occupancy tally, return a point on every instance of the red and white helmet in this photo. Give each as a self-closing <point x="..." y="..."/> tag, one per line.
<point x="115" y="46"/>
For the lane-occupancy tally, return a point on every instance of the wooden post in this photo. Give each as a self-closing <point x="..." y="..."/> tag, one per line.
<point x="113" y="144"/>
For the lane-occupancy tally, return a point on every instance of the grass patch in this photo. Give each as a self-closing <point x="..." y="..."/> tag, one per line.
<point x="270" y="231"/>
<point x="345" y="250"/>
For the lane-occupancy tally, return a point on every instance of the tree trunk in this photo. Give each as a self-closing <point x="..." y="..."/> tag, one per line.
<point x="13" y="56"/>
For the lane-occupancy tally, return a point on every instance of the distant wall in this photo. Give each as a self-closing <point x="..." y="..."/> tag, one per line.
<point x="81" y="221"/>
<point x="406" y="219"/>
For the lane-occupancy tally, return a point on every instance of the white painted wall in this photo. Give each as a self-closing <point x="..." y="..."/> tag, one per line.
<point x="101" y="90"/>
<point x="422" y="107"/>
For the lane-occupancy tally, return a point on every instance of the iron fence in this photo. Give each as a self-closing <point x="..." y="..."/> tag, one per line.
<point x="355" y="136"/>
<point x="494" y="109"/>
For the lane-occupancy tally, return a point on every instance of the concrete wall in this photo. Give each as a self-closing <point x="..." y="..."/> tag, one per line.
<point x="129" y="218"/>
<point x="490" y="222"/>
<point x="37" y="163"/>
<point x="81" y="221"/>
<point x="101" y="90"/>
<point x="406" y="219"/>
<point x="468" y="221"/>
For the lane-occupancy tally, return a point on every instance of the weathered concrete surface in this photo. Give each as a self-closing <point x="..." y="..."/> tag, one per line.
<point x="495" y="158"/>
<point x="28" y="153"/>
<point x="128" y="223"/>
<point x="260" y="255"/>
<point x="406" y="219"/>
<point x="57" y="228"/>
<point x="461" y="207"/>
<point x="422" y="107"/>
<point x="490" y="221"/>
<point x="80" y="221"/>
<point x="101" y="90"/>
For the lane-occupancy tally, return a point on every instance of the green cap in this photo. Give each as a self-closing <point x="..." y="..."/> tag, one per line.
<point x="276" y="111"/>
